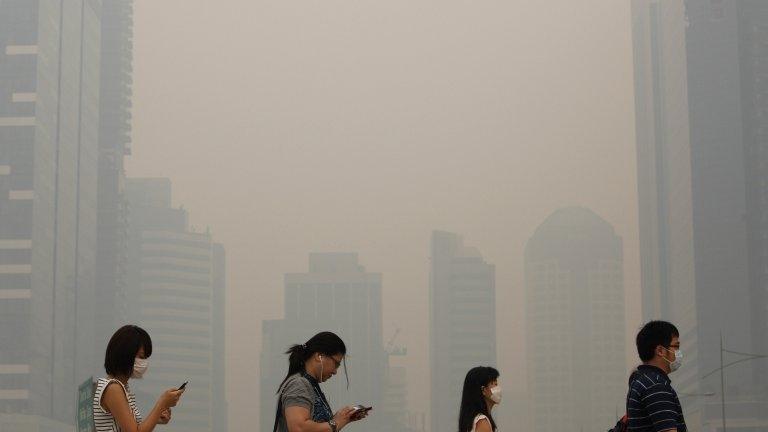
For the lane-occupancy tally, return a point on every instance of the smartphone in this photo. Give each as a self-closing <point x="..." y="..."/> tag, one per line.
<point x="183" y="386"/>
<point x="358" y="409"/>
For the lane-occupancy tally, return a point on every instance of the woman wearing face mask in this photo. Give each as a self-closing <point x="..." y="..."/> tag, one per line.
<point x="481" y="393"/>
<point x="114" y="405"/>
<point x="301" y="404"/>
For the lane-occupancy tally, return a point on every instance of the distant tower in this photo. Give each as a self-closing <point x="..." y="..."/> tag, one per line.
<point x="176" y="291"/>
<point x="702" y="166"/>
<point x="462" y="296"/>
<point x="336" y="294"/>
<point x="575" y="322"/>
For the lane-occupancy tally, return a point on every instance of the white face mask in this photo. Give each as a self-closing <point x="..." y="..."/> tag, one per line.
<point x="496" y="394"/>
<point x="140" y="367"/>
<point x="675" y="365"/>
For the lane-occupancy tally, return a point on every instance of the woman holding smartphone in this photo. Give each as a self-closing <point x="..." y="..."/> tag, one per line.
<point x="302" y="405"/>
<point x="114" y="405"/>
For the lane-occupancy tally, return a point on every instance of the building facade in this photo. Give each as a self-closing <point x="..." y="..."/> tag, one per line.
<point x="49" y="120"/>
<point x="175" y="292"/>
<point x="114" y="144"/>
<point x="577" y="378"/>
<point x="337" y="294"/>
<point x="462" y="295"/>
<point x="701" y="144"/>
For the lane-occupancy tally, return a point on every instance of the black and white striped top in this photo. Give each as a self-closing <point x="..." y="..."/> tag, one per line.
<point x="652" y="403"/>
<point x="102" y="419"/>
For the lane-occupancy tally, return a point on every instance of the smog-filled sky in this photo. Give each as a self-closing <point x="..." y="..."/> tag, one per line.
<point x="362" y="126"/>
<point x="403" y="201"/>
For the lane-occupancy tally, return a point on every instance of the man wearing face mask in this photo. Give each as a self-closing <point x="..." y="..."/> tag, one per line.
<point x="652" y="403"/>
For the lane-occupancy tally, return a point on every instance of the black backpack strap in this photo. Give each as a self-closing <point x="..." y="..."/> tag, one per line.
<point x="278" y="413"/>
<point x="621" y="426"/>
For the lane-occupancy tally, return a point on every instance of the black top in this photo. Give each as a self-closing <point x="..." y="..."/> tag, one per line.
<point x="652" y="403"/>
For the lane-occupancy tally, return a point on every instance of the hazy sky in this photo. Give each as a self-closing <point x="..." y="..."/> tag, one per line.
<point x="298" y="126"/>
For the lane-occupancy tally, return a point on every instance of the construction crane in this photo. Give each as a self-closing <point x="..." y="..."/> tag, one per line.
<point x="390" y="347"/>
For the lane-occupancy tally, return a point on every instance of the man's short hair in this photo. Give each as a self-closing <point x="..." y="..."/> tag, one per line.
<point x="653" y="334"/>
<point x="123" y="348"/>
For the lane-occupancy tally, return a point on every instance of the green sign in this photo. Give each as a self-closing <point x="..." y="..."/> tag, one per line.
<point x="85" y="406"/>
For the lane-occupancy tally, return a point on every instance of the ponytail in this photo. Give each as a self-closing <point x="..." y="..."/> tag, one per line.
<point x="297" y="357"/>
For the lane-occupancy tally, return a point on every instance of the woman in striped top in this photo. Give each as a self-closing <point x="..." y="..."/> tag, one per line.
<point x="114" y="405"/>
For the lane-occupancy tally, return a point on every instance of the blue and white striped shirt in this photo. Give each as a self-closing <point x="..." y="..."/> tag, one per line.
<point x="652" y="403"/>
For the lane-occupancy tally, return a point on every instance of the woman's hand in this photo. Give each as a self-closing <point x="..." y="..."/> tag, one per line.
<point x="170" y="398"/>
<point x="343" y="417"/>
<point x="360" y="414"/>
<point x="165" y="416"/>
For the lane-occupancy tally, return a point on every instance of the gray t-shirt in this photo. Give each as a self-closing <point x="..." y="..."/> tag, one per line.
<point x="297" y="391"/>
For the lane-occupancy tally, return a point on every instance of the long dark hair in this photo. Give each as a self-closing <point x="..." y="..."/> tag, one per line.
<point x="472" y="399"/>
<point x="325" y="343"/>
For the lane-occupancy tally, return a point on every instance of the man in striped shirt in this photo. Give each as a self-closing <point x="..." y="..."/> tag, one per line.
<point x="652" y="403"/>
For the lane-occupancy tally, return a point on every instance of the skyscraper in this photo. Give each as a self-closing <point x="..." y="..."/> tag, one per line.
<point x="174" y="281"/>
<point x="114" y="144"/>
<point x="394" y="398"/>
<point x="462" y="297"/>
<point x="49" y="117"/>
<point x="338" y="295"/>
<point x="218" y="314"/>
<point x="394" y="401"/>
<point x="577" y="378"/>
<point x="701" y="119"/>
